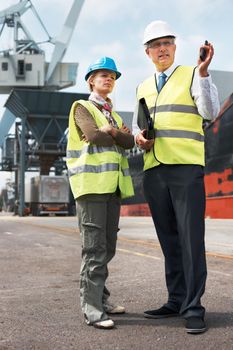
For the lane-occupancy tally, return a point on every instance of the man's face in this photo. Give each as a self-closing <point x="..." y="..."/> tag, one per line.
<point x="162" y="52"/>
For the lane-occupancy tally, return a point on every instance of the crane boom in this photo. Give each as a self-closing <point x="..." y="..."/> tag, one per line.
<point x="63" y="39"/>
<point x="19" y="8"/>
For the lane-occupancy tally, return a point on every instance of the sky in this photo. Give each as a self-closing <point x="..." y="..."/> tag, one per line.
<point x="115" y="29"/>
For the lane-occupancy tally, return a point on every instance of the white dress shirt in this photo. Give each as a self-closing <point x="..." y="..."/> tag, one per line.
<point x="203" y="91"/>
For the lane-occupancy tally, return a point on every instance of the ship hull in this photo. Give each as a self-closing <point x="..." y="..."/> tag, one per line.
<point x="218" y="170"/>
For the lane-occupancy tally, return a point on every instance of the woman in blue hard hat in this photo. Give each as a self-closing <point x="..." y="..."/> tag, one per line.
<point x="99" y="178"/>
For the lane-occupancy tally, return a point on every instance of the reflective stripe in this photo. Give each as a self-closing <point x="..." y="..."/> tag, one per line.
<point x="125" y="172"/>
<point x="86" y="168"/>
<point x="93" y="149"/>
<point x="180" y="134"/>
<point x="174" y="108"/>
<point x="73" y="154"/>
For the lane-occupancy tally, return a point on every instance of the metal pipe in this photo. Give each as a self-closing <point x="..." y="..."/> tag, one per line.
<point x="22" y="168"/>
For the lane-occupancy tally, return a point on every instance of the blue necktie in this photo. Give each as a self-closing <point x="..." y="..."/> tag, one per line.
<point x="162" y="81"/>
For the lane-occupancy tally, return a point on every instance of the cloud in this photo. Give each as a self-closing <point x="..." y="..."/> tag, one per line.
<point x="196" y="11"/>
<point x="110" y="10"/>
<point x="109" y="49"/>
<point x="187" y="51"/>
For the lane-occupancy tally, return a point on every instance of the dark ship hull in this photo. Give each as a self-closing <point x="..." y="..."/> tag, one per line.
<point x="218" y="170"/>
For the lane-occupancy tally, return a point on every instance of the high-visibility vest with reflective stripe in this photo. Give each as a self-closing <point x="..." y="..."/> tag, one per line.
<point x="96" y="169"/>
<point x="179" y="137"/>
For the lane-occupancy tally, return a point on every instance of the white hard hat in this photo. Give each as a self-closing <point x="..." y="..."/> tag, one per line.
<point x="156" y="30"/>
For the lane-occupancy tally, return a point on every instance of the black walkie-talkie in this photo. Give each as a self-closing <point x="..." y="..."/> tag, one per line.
<point x="203" y="52"/>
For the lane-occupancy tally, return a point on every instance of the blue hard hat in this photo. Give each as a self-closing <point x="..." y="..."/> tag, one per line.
<point x="103" y="63"/>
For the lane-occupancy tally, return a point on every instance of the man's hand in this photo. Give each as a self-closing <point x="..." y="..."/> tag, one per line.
<point x="203" y="65"/>
<point x="142" y="142"/>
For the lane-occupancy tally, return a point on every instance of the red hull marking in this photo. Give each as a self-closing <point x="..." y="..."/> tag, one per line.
<point x="219" y="207"/>
<point x="219" y="182"/>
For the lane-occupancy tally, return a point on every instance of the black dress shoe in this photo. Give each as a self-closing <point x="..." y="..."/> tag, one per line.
<point x="163" y="312"/>
<point x="195" y="325"/>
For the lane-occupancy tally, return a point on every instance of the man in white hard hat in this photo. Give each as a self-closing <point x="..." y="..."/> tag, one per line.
<point x="179" y="99"/>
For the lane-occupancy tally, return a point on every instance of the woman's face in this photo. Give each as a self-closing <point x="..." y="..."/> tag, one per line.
<point x="102" y="82"/>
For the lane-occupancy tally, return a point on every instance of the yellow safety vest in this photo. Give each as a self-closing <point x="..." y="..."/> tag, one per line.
<point x="96" y="169"/>
<point x="179" y="137"/>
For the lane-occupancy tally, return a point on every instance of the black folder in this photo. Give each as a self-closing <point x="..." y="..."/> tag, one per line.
<point x="144" y="119"/>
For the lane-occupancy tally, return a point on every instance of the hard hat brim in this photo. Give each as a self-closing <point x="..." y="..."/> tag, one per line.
<point x="161" y="37"/>
<point x="118" y="74"/>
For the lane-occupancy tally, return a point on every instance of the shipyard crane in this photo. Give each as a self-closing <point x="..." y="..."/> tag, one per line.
<point x="33" y="85"/>
<point x="24" y="64"/>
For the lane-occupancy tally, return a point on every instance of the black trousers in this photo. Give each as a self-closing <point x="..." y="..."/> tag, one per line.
<point x="176" y="197"/>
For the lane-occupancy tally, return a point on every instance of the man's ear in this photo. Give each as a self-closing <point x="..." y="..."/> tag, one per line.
<point x="147" y="51"/>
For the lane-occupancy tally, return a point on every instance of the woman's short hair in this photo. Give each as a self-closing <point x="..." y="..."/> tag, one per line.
<point x="90" y="78"/>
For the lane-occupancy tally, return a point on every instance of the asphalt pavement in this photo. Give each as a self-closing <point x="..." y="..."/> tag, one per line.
<point x="39" y="300"/>
<point x="219" y="232"/>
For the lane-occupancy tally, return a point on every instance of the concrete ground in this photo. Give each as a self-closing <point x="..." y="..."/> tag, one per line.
<point x="39" y="301"/>
<point x="219" y="232"/>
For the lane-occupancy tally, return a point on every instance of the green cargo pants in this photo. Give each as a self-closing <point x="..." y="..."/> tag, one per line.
<point x="98" y="216"/>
